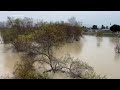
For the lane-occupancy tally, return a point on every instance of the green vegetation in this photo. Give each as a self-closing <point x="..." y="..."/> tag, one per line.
<point x="115" y="28"/>
<point x="38" y="39"/>
<point x="99" y="34"/>
<point x="76" y="69"/>
<point x="94" y="27"/>
<point x="25" y="70"/>
<point x="105" y="34"/>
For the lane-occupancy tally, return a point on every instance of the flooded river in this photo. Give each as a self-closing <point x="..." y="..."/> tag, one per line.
<point x="7" y="60"/>
<point x="98" y="52"/>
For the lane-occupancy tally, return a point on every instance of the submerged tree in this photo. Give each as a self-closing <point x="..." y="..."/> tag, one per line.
<point x="72" y="68"/>
<point x="40" y="41"/>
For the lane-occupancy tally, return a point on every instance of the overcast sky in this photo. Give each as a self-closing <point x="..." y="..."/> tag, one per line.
<point x="87" y="17"/>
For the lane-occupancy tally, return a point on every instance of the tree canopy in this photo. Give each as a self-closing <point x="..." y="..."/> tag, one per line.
<point x="102" y="27"/>
<point x="94" y="27"/>
<point x="115" y="28"/>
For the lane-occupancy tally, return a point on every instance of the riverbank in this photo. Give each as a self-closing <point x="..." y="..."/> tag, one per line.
<point x="105" y="34"/>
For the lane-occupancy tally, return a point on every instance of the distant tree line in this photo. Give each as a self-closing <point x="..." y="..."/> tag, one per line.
<point x="102" y="27"/>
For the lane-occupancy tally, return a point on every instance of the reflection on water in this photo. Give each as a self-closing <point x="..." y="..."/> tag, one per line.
<point x="99" y="41"/>
<point x="114" y="40"/>
<point x="98" y="52"/>
<point x="69" y="48"/>
<point x="117" y="56"/>
<point x="7" y="60"/>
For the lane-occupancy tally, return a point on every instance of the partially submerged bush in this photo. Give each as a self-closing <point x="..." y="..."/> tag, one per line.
<point x="25" y="70"/>
<point x="75" y="69"/>
<point x="58" y="31"/>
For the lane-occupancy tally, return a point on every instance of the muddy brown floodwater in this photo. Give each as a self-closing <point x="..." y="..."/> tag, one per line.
<point x="98" y="52"/>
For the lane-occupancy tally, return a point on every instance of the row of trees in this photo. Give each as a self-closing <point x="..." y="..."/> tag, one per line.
<point x="27" y="23"/>
<point x="102" y="27"/>
<point x="14" y="27"/>
<point x="114" y="28"/>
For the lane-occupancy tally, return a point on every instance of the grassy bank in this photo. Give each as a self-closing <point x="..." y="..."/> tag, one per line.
<point x="105" y="34"/>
